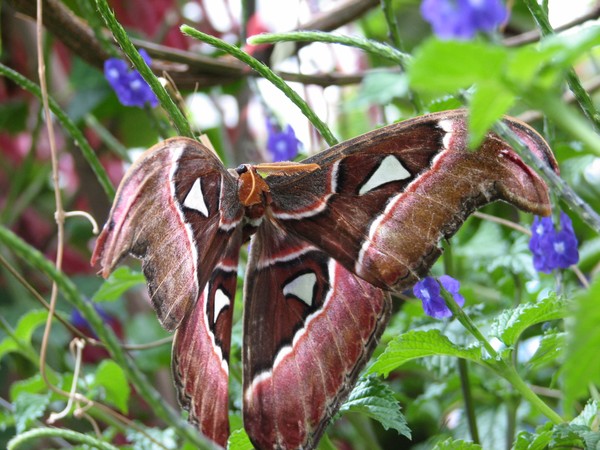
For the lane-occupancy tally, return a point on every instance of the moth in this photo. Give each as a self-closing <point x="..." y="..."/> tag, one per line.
<point x="331" y="238"/>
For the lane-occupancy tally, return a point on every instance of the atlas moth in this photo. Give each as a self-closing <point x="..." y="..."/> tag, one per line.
<point x="331" y="238"/>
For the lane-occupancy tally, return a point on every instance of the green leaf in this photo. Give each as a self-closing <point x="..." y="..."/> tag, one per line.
<point x="552" y="344"/>
<point x="24" y="330"/>
<point x="509" y="325"/>
<point x="375" y="399"/>
<point x="447" y="66"/>
<point x="418" y="344"/>
<point x="542" y="63"/>
<point x="166" y="437"/>
<point x="592" y="440"/>
<point x="562" y="50"/>
<point x="568" y="436"/>
<point x="444" y="103"/>
<point x="120" y="281"/>
<point x="450" y="444"/>
<point x="582" y="365"/>
<point x="111" y="378"/>
<point x="490" y="101"/>
<point x="239" y="440"/>
<point x="32" y="385"/>
<point x="396" y="86"/>
<point x="588" y="416"/>
<point x="13" y="116"/>
<point x="533" y="441"/>
<point x="29" y="408"/>
<point x="7" y="419"/>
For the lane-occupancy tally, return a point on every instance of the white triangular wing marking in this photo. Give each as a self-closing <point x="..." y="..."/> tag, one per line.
<point x="195" y="199"/>
<point x="302" y="287"/>
<point x="390" y="169"/>
<point x="220" y="303"/>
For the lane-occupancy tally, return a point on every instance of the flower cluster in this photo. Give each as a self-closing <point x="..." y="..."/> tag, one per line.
<point x="128" y="84"/>
<point x="428" y="291"/>
<point x="553" y="249"/>
<point x="281" y="144"/>
<point x="461" y="19"/>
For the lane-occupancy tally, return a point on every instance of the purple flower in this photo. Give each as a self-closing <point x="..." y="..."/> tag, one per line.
<point x="553" y="249"/>
<point x="283" y="145"/>
<point x="428" y="290"/>
<point x="461" y="19"/>
<point x="128" y="84"/>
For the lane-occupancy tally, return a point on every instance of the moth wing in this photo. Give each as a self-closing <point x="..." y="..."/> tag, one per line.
<point x="381" y="202"/>
<point x="310" y="326"/>
<point x="200" y="361"/>
<point x="175" y="210"/>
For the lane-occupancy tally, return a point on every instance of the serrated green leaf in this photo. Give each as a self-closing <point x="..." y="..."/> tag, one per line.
<point x="509" y="325"/>
<point x="239" y="440"/>
<point x="582" y="365"/>
<point x="552" y="344"/>
<point x="111" y="378"/>
<point x="29" y="408"/>
<point x="447" y="66"/>
<point x="567" y="436"/>
<point x="375" y="399"/>
<point x="418" y="344"/>
<point x="25" y="328"/>
<point x="592" y="440"/>
<point x="450" y="444"/>
<point x="533" y="441"/>
<point x="588" y="416"/>
<point x="120" y="281"/>
<point x="489" y="103"/>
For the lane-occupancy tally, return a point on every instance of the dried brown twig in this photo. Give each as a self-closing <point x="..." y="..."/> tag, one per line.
<point x="187" y="69"/>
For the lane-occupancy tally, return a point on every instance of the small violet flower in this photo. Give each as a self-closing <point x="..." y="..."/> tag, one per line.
<point x="128" y="84"/>
<point x="461" y="19"/>
<point x="282" y="145"/>
<point x="428" y="290"/>
<point x="553" y="249"/>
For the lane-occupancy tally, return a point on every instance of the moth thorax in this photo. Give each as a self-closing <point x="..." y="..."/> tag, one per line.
<point x="252" y="188"/>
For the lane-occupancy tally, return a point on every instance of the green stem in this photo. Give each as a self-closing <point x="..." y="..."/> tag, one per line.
<point x="41" y="433"/>
<point x="566" y="118"/>
<point x="120" y="35"/>
<point x="374" y="47"/>
<point x="512" y="405"/>
<point x="463" y="371"/>
<point x="496" y="363"/>
<point x="585" y="212"/>
<point x="266" y="73"/>
<point x="392" y="23"/>
<point x="25" y="348"/>
<point x="581" y="95"/>
<point x="466" y="322"/>
<point x="463" y="368"/>
<point x="68" y="125"/>
<point x="511" y="375"/>
<point x="365" y="430"/>
<point x="68" y="289"/>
